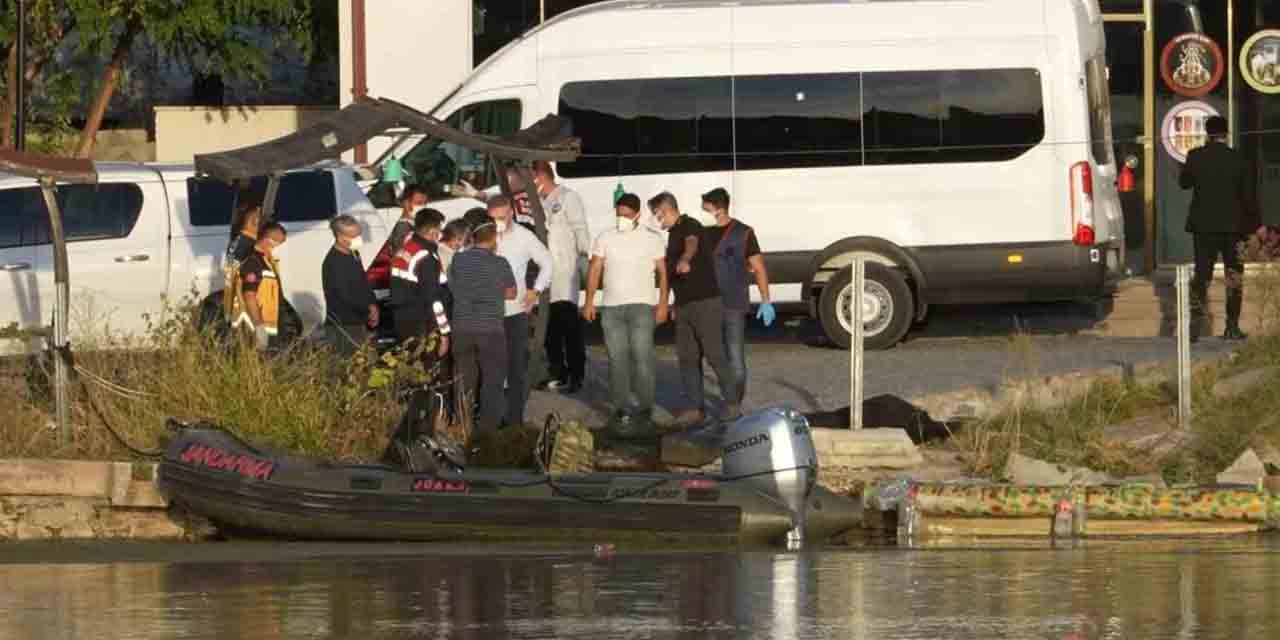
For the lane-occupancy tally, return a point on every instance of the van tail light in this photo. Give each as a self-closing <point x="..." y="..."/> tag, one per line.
<point x="1083" y="233"/>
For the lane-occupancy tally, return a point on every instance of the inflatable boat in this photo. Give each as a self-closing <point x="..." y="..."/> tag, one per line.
<point x="766" y="494"/>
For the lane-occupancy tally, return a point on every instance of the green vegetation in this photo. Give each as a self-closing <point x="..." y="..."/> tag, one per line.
<point x="204" y="36"/>
<point x="302" y="400"/>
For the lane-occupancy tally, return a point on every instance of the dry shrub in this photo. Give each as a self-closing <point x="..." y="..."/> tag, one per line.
<point x="303" y="399"/>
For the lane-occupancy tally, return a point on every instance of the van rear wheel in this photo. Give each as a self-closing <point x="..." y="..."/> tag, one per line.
<point x="887" y="307"/>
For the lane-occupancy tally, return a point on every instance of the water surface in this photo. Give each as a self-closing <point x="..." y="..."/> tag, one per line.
<point x="1139" y="589"/>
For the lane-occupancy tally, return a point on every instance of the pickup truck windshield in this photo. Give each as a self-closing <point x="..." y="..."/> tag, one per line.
<point x="438" y="165"/>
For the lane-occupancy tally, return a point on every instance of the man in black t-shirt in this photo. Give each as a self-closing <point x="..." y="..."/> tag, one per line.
<point x="698" y="311"/>
<point x="349" y="302"/>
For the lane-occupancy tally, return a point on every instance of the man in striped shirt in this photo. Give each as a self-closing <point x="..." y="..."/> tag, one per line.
<point x="482" y="283"/>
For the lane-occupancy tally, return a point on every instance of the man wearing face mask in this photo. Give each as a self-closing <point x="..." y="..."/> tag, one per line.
<point x="627" y="260"/>
<point x="260" y="290"/>
<point x="737" y="258"/>
<point x="418" y="282"/>
<point x="413" y="200"/>
<point x="569" y="242"/>
<point x="351" y="308"/>
<point x="699" y="312"/>
<point x="519" y="246"/>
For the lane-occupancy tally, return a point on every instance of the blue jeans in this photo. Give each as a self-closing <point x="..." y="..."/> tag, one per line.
<point x="735" y="348"/>
<point x="628" y="335"/>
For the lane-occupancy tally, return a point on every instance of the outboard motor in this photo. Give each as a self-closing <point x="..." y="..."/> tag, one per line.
<point x="773" y="450"/>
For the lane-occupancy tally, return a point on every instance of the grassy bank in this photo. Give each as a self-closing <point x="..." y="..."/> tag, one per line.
<point x="1075" y="434"/>
<point x="303" y="400"/>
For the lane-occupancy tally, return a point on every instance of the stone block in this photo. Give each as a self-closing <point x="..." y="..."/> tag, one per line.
<point x="64" y="519"/>
<point x="1030" y="472"/>
<point x="1248" y="469"/>
<point x="1241" y="383"/>
<point x="139" y="494"/>
<point x="72" y="478"/>
<point x="866" y="449"/>
<point x="146" y="524"/>
<point x="693" y="448"/>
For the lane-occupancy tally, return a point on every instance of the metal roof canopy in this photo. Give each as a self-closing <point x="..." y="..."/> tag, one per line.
<point x="38" y="166"/>
<point x="548" y="139"/>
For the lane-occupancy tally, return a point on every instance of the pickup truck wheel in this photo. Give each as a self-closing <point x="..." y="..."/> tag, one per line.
<point x="887" y="307"/>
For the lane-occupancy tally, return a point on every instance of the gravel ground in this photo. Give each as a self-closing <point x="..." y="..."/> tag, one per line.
<point x="793" y="366"/>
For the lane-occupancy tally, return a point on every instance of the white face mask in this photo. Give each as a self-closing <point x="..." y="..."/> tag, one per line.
<point x="626" y="224"/>
<point x="501" y="225"/>
<point x="356" y="243"/>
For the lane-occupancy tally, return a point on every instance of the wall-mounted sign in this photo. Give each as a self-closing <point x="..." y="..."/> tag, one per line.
<point x="1183" y="128"/>
<point x="1192" y="65"/>
<point x="1260" y="61"/>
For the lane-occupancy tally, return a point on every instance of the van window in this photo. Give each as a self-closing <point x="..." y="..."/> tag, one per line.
<point x="638" y="127"/>
<point x="22" y="212"/>
<point x="210" y="202"/>
<point x="89" y="212"/>
<point x="986" y="115"/>
<point x="649" y="126"/>
<point x="1099" y="110"/>
<point x="790" y="121"/>
<point x="304" y="196"/>
<point x="902" y="112"/>
<point x="99" y="211"/>
<point x="437" y="165"/>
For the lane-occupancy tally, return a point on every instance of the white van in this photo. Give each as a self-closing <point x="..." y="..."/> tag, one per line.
<point x="146" y="232"/>
<point x="964" y="146"/>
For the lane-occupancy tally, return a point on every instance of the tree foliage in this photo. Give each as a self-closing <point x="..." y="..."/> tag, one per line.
<point x="226" y="37"/>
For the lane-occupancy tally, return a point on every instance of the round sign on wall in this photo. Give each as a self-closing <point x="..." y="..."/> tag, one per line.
<point x="1183" y="128"/>
<point x="1260" y="61"/>
<point x="1192" y="65"/>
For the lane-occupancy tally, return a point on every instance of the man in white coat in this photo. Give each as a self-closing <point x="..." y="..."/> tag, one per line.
<point x="569" y="243"/>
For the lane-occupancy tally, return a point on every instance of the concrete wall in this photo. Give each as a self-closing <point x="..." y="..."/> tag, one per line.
<point x="76" y="499"/>
<point x="417" y="52"/>
<point x="182" y="132"/>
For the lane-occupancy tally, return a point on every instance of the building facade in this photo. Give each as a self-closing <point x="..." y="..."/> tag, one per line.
<point x="1172" y="63"/>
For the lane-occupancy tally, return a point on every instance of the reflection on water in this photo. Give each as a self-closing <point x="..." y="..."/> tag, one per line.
<point x="1114" y="590"/>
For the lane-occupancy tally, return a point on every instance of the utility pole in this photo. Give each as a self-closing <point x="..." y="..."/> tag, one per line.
<point x="20" y="79"/>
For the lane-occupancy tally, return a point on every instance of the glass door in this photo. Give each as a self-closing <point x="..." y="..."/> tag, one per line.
<point x="1128" y="126"/>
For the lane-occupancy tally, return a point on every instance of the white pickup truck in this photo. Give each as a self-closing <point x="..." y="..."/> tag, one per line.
<point x="150" y="231"/>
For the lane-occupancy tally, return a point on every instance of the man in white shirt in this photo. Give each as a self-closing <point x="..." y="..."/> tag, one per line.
<point x="569" y="242"/>
<point x="627" y="260"/>
<point x="520" y="247"/>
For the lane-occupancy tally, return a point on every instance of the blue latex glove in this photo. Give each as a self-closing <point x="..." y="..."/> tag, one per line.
<point x="766" y="314"/>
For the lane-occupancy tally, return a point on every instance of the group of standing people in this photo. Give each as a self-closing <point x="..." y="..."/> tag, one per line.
<point x="473" y="283"/>
<point x="708" y="271"/>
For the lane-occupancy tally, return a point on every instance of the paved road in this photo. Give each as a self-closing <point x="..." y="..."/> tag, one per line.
<point x="794" y="366"/>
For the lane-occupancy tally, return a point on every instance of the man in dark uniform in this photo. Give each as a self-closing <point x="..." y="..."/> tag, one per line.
<point x="1223" y="213"/>
<point x="418" y="281"/>
<point x="418" y="284"/>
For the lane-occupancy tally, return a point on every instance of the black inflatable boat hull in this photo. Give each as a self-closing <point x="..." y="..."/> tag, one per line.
<point x="213" y="474"/>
